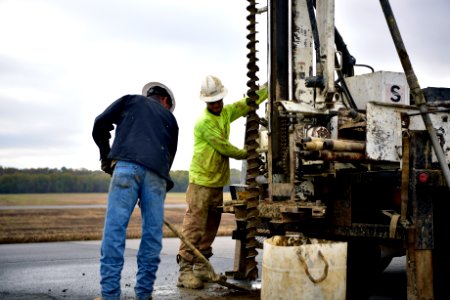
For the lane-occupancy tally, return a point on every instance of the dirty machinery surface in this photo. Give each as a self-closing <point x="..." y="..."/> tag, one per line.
<point x="356" y="158"/>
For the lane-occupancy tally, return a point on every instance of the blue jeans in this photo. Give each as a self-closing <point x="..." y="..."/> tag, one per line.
<point x="129" y="182"/>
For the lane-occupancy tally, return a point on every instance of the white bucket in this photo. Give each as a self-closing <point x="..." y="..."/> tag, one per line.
<point x="303" y="268"/>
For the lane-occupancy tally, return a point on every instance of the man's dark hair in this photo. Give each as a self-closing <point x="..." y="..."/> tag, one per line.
<point x="159" y="91"/>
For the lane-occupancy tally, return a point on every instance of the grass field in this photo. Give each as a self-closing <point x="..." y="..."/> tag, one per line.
<point x="70" y="199"/>
<point x="50" y="225"/>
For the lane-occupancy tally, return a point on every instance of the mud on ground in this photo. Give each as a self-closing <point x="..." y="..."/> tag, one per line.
<point x="210" y="291"/>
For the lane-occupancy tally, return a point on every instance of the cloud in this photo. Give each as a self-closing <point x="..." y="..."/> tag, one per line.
<point x="30" y="124"/>
<point x="63" y="62"/>
<point x="421" y="24"/>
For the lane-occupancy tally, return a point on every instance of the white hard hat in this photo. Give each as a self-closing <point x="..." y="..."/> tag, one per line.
<point x="153" y="84"/>
<point x="212" y="89"/>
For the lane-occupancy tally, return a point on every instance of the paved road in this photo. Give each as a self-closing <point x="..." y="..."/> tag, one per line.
<point x="69" y="270"/>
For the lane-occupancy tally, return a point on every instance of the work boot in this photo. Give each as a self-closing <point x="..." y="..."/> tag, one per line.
<point x="201" y="271"/>
<point x="187" y="278"/>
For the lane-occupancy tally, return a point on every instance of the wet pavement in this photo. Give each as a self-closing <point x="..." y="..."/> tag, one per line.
<point x="70" y="270"/>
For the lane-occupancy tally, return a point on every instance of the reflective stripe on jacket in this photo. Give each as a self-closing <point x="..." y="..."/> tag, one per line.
<point x="210" y="161"/>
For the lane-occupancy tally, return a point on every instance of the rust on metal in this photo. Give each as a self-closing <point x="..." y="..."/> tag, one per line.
<point x="343" y="156"/>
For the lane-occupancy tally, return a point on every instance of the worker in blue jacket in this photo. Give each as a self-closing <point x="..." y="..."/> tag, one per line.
<point x="144" y="147"/>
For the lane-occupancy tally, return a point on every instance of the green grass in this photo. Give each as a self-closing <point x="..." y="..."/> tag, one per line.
<point x="74" y="199"/>
<point x="69" y="199"/>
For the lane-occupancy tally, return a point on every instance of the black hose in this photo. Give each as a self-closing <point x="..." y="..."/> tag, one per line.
<point x="348" y="61"/>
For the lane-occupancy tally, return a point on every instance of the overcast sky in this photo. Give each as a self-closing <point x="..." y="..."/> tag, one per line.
<point x="63" y="62"/>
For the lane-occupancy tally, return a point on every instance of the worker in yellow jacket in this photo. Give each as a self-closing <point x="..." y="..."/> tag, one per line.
<point x="208" y="174"/>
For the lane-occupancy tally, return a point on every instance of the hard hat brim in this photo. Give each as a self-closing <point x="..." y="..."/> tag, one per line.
<point x="153" y="84"/>
<point x="215" y="97"/>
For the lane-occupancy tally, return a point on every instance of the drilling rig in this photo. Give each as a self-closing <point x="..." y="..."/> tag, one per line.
<point x="356" y="158"/>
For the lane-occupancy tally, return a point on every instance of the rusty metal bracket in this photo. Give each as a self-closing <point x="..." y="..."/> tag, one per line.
<point x="394" y="221"/>
<point x="405" y="176"/>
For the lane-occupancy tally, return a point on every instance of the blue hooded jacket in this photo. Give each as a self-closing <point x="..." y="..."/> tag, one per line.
<point x="146" y="133"/>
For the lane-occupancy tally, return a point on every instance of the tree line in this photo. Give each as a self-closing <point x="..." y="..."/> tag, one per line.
<point x="64" y="180"/>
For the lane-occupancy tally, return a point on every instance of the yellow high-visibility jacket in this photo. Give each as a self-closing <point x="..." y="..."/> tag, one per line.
<point x="210" y="162"/>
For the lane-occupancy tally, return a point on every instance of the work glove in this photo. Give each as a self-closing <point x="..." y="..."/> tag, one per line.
<point x="246" y="154"/>
<point x="106" y="166"/>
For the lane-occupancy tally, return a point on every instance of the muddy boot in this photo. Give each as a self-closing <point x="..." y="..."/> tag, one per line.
<point x="187" y="278"/>
<point x="201" y="271"/>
